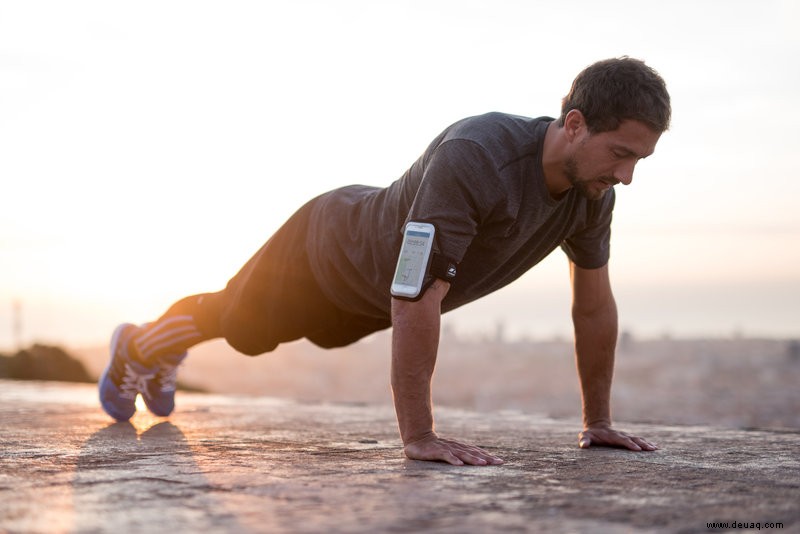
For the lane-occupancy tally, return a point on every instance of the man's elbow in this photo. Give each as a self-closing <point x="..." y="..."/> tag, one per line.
<point x="603" y="310"/>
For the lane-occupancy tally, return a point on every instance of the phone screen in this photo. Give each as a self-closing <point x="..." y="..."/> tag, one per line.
<point x="413" y="260"/>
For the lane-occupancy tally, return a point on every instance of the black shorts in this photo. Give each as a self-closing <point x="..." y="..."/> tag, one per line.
<point x="275" y="298"/>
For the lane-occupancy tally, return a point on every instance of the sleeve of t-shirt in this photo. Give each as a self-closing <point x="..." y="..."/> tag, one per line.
<point x="590" y="246"/>
<point x="459" y="190"/>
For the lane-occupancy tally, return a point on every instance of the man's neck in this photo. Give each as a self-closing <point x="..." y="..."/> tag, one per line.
<point x="555" y="179"/>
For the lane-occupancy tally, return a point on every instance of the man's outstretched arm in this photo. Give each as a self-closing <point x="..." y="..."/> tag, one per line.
<point x="415" y="343"/>
<point x="594" y="315"/>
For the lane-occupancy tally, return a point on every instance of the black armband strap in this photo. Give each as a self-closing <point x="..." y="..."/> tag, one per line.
<point x="442" y="267"/>
<point x="439" y="267"/>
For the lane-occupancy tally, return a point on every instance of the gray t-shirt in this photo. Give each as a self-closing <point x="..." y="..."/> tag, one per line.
<point x="480" y="182"/>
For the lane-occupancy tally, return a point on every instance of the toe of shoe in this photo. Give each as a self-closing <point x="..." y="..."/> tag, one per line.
<point x="113" y="404"/>
<point x="120" y="414"/>
<point x="160" y="407"/>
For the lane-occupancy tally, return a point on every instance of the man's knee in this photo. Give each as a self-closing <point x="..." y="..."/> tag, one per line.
<point x="245" y="336"/>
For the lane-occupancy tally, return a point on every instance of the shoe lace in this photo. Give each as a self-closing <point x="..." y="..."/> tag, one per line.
<point x="168" y="377"/>
<point x="134" y="382"/>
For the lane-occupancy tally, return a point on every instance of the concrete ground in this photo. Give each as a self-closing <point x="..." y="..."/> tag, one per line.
<point x="226" y="464"/>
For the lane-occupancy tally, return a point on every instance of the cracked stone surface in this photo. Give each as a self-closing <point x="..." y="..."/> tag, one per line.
<point x="228" y="464"/>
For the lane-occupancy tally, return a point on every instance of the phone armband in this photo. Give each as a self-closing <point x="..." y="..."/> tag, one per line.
<point x="414" y="260"/>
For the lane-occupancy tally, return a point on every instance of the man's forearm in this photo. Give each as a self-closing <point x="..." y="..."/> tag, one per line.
<point x="415" y="342"/>
<point x="413" y="359"/>
<point x="595" y="345"/>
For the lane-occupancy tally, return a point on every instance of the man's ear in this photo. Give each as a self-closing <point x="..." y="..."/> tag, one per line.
<point x="574" y="125"/>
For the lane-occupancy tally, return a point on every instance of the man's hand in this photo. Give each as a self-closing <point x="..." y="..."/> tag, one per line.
<point x="605" y="436"/>
<point x="435" y="449"/>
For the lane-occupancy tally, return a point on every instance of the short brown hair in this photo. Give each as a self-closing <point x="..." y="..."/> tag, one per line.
<point x="613" y="90"/>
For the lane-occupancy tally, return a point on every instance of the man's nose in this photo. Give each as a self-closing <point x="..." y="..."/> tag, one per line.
<point x="624" y="174"/>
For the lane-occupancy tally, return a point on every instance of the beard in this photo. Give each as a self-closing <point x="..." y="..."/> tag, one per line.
<point x="584" y="185"/>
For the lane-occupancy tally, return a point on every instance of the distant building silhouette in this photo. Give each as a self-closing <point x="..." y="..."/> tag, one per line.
<point x="16" y="324"/>
<point x="793" y="350"/>
<point x="499" y="331"/>
<point x="625" y="341"/>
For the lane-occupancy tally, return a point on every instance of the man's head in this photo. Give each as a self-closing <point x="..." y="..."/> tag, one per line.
<point x="612" y="117"/>
<point x="613" y="90"/>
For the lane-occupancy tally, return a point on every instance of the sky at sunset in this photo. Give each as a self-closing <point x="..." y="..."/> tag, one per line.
<point x="147" y="149"/>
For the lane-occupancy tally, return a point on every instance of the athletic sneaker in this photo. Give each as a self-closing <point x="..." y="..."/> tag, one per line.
<point x="124" y="377"/>
<point x="160" y="393"/>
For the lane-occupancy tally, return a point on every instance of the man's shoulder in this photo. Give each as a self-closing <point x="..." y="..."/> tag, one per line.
<point x="495" y="121"/>
<point x="498" y="132"/>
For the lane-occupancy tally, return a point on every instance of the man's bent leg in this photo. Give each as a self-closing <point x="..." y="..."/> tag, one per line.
<point x="273" y="299"/>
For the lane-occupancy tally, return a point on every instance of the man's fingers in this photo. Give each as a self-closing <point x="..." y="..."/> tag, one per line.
<point x="630" y="445"/>
<point x="452" y="452"/>
<point x="621" y="439"/>
<point x="624" y="441"/>
<point x="452" y="459"/>
<point x="460" y="456"/>
<point x="434" y="454"/>
<point x="645" y="445"/>
<point x="473" y="458"/>
<point x="471" y="454"/>
<point x="613" y="438"/>
<point x="470" y="459"/>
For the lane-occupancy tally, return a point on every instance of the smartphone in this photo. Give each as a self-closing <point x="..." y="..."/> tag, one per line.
<point x="412" y="264"/>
